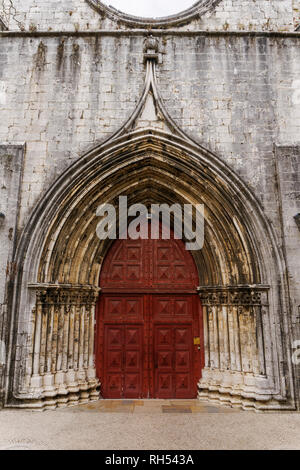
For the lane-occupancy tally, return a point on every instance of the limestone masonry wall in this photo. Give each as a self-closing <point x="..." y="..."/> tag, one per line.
<point x="61" y="95"/>
<point x="238" y="95"/>
<point x="72" y="15"/>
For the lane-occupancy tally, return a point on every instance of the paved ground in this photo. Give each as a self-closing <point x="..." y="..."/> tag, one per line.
<point x="151" y="424"/>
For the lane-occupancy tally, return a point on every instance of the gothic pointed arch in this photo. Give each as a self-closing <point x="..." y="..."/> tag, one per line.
<point x="59" y="261"/>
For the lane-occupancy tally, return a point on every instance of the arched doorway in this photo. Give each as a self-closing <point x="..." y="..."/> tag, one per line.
<point x="149" y="325"/>
<point x="60" y="259"/>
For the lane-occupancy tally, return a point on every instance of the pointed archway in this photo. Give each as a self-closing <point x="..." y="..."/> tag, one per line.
<point x="59" y="261"/>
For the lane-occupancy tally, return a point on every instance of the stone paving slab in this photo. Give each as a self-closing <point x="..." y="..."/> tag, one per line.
<point x="111" y="425"/>
<point x="154" y="406"/>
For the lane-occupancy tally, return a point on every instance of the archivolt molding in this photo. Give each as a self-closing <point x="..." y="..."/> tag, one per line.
<point x="164" y="165"/>
<point x="199" y="9"/>
<point x="69" y="259"/>
<point x="59" y="260"/>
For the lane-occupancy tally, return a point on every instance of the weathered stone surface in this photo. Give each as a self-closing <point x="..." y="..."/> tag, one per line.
<point x="218" y="122"/>
<point x="11" y="166"/>
<point x="72" y="15"/>
<point x="288" y="171"/>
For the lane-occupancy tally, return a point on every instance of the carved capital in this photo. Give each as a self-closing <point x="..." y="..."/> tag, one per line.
<point x="66" y="295"/>
<point x="234" y="296"/>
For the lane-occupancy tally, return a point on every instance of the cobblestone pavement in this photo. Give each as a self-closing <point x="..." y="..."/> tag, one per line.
<point x="148" y="424"/>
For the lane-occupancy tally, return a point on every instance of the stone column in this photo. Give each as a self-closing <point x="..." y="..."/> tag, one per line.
<point x="63" y="370"/>
<point x="234" y="341"/>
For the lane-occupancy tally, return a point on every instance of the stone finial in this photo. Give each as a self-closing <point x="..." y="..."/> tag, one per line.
<point x="151" y="48"/>
<point x="151" y="44"/>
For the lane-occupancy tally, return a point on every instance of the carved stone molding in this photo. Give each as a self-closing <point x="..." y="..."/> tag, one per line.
<point x="48" y="294"/>
<point x="61" y="369"/>
<point x="234" y="295"/>
<point x="197" y="10"/>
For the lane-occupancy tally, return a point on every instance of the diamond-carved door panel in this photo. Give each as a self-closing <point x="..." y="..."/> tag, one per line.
<point x="182" y="307"/>
<point x="115" y="361"/>
<point x="164" y="385"/>
<point x="134" y="308"/>
<point x="163" y="307"/>
<point x="173" y="365"/>
<point x="133" y="273"/>
<point x="164" y="360"/>
<point x="132" y="337"/>
<point x="164" y="337"/>
<point x="134" y="253"/>
<point x="133" y="264"/>
<point x="125" y="265"/>
<point x="180" y="274"/>
<point x="114" y="386"/>
<point x="171" y="306"/>
<point x="123" y="351"/>
<point x="132" y="360"/>
<point x="182" y="385"/>
<point x="182" y="360"/>
<point x="123" y="308"/>
<point x="114" y="337"/>
<point x="182" y="337"/>
<point x="117" y="273"/>
<point x="132" y="386"/>
<point x="114" y="308"/>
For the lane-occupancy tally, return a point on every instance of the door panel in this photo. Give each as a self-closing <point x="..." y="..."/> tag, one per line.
<point x="113" y="361"/>
<point x="174" y="368"/>
<point x="114" y="386"/>
<point x="183" y="388"/>
<point x="182" y="361"/>
<point x="172" y="308"/>
<point x="140" y="264"/>
<point x="133" y="362"/>
<point x="123" y="351"/>
<point x="132" y="386"/>
<point x="164" y="385"/>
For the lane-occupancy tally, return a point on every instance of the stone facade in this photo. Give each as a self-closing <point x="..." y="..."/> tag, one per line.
<point x="73" y="80"/>
<point x="75" y="15"/>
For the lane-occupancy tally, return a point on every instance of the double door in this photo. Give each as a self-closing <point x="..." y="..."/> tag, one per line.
<point x="152" y="347"/>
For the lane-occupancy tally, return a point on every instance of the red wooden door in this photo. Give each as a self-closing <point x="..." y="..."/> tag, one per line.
<point x="148" y="317"/>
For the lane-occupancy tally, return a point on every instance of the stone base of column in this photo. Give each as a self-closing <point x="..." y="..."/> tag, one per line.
<point x="240" y="390"/>
<point x="59" y="391"/>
